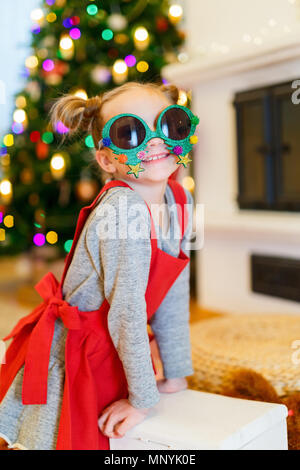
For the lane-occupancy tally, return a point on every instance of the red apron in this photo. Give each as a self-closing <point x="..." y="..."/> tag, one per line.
<point x="94" y="374"/>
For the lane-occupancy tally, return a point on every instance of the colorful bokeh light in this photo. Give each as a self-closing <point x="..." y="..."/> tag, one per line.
<point x="130" y="60"/>
<point x="75" y="33"/>
<point x="39" y="239"/>
<point x="61" y="128"/>
<point x="107" y="34"/>
<point x="48" y="65"/>
<point x="17" y="128"/>
<point x="92" y="9"/>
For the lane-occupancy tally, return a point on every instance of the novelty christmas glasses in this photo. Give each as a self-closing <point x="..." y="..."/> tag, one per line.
<point x="127" y="135"/>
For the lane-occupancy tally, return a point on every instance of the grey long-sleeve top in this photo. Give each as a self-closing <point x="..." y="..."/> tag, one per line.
<point x="107" y="264"/>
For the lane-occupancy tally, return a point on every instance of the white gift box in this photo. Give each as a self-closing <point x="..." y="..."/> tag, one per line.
<point x="192" y="420"/>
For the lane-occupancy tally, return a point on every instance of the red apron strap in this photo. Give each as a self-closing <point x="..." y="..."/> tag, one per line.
<point x="181" y="201"/>
<point x="83" y="215"/>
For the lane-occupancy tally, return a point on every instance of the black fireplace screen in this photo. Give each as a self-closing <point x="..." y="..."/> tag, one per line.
<point x="268" y="143"/>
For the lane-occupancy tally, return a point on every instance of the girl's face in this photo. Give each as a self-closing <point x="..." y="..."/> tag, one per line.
<point x="148" y="105"/>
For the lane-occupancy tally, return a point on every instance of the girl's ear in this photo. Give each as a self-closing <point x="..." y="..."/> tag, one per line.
<point x="104" y="161"/>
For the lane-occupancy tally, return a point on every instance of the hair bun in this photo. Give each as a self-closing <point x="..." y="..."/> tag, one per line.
<point x="92" y="107"/>
<point x="171" y="91"/>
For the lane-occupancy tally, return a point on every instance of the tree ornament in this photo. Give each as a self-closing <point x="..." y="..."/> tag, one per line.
<point x="162" y="24"/>
<point x="86" y="189"/>
<point x="34" y="90"/>
<point x="117" y="22"/>
<point x="42" y="150"/>
<point x="64" y="192"/>
<point x="121" y="38"/>
<point x="49" y="41"/>
<point x="100" y="74"/>
<point x="26" y="176"/>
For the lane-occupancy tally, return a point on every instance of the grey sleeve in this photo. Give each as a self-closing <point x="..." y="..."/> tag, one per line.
<point x="170" y="323"/>
<point x="125" y="268"/>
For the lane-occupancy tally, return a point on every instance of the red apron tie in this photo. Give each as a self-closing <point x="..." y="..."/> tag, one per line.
<point x="34" y="391"/>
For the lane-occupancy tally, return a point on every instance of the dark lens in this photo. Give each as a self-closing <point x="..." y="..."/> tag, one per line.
<point x="176" y="124"/>
<point x="127" y="132"/>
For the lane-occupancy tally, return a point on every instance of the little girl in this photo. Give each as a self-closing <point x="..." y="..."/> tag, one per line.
<point x="79" y="369"/>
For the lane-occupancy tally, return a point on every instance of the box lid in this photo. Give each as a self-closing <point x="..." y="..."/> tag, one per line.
<point x="198" y="420"/>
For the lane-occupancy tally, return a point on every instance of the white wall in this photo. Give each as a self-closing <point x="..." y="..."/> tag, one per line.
<point x="231" y="235"/>
<point x="222" y="27"/>
<point x="15" y="35"/>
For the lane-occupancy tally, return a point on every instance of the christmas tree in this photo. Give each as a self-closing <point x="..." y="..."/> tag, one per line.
<point x="81" y="47"/>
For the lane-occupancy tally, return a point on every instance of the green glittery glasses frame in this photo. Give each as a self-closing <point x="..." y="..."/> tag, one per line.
<point x="132" y="133"/>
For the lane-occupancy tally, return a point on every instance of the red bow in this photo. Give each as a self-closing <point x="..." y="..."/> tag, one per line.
<point x="34" y="391"/>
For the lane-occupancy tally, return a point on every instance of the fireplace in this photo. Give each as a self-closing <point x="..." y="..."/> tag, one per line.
<point x="276" y="276"/>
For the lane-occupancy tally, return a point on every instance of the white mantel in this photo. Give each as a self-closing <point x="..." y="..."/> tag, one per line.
<point x="231" y="234"/>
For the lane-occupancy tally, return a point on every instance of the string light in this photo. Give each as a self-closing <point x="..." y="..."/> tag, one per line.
<point x="57" y="166"/>
<point x="47" y="137"/>
<point x="2" y="235"/>
<point x="31" y="62"/>
<point x="8" y="221"/>
<point x="42" y="53"/>
<point x="89" y="141"/>
<point x="51" y="17"/>
<point x="120" y="71"/>
<point x="8" y="140"/>
<point x="19" y="115"/>
<point x="66" y="47"/>
<point x="61" y="128"/>
<point x="37" y="14"/>
<point x="17" y="128"/>
<point x="36" y="29"/>
<point x="188" y="183"/>
<point x="52" y="237"/>
<point x="66" y="43"/>
<point x="81" y="94"/>
<point x="92" y="9"/>
<point x="175" y="13"/>
<point x="5" y="187"/>
<point x="142" y="66"/>
<point x="48" y="65"/>
<point x="68" y="245"/>
<point x="107" y="34"/>
<point x="130" y="60"/>
<point x="57" y="162"/>
<point x="75" y="33"/>
<point x="39" y="239"/>
<point x="21" y="102"/>
<point x="182" y="99"/>
<point x="141" y="38"/>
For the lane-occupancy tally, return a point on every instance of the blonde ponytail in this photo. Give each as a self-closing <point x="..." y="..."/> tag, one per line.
<point x="77" y="114"/>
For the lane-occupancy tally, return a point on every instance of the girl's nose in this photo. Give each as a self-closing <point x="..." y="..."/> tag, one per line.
<point x="155" y="141"/>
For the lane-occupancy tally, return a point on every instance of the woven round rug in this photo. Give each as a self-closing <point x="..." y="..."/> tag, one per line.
<point x="267" y="344"/>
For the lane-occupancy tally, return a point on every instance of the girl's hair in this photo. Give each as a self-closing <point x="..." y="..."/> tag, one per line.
<point x="79" y="114"/>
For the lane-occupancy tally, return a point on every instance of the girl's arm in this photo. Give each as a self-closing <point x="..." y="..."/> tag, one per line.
<point x="125" y="264"/>
<point x="170" y="324"/>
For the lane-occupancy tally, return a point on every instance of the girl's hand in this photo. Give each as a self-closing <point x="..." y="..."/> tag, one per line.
<point x="117" y="418"/>
<point x="172" y="385"/>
